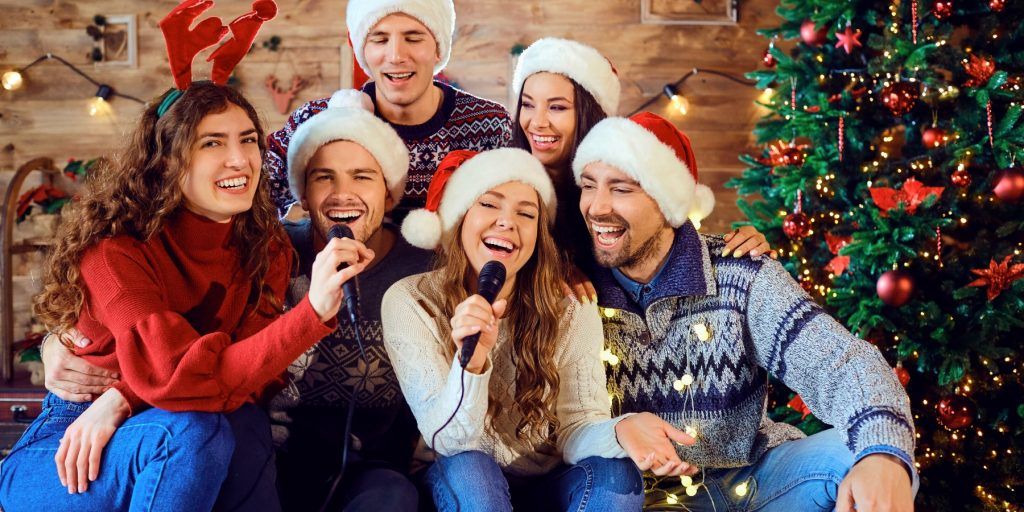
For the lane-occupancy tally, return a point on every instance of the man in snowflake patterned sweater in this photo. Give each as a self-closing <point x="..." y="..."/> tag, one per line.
<point x="401" y="45"/>
<point x="698" y="333"/>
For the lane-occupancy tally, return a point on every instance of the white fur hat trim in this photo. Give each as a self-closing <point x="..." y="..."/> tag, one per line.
<point x="583" y="64"/>
<point x="437" y="15"/>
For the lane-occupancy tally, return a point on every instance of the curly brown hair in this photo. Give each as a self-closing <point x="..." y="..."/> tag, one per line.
<point x="134" y="193"/>
<point x="535" y="310"/>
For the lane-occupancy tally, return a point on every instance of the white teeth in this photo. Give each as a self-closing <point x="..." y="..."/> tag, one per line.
<point x="505" y="244"/>
<point x="606" y="229"/>
<point x="549" y="138"/>
<point x="233" y="183"/>
<point x="343" y="215"/>
<point x="399" y="76"/>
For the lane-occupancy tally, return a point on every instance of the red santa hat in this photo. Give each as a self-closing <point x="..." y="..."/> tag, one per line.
<point x="657" y="155"/>
<point x="461" y="178"/>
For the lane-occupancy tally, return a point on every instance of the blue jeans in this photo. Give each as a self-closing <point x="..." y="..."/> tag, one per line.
<point x="473" y="481"/>
<point x="156" y="461"/>
<point x="799" y="475"/>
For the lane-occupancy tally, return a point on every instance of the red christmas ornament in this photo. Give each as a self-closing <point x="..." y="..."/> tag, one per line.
<point x="895" y="287"/>
<point x="768" y="58"/>
<point x="811" y="35"/>
<point x="796" y="226"/>
<point x="996" y="5"/>
<point x="956" y="411"/>
<point x="899" y="97"/>
<point x="961" y="178"/>
<point x="933" y="137"/>
<point x="942" y="9"/>
<point x="786" y="153"/>
<point x="1010" y="185"/>
<point x="902" y="374"/>
<point x="848" y="40"/>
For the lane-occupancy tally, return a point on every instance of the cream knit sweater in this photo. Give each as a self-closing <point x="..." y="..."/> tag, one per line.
<point x="431" y="385"/>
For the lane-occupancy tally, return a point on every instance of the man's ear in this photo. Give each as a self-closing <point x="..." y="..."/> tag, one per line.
<point x="389" y="202"/>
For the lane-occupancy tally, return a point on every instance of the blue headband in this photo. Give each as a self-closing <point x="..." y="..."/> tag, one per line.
<point x="168" y="101"/>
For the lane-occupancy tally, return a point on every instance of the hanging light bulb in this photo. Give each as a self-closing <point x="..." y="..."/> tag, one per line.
<point x="12" y="80"/>
<point x="98" y="104"/>
<point x="678" y="101"/>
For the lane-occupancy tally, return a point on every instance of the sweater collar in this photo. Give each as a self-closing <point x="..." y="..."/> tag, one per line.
<point x="193" y="232"/>
<point x="688" y="272"/>
<point x="419" y="131"/>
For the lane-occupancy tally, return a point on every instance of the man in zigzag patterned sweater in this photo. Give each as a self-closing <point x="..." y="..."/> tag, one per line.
<point x="698" y="333"/>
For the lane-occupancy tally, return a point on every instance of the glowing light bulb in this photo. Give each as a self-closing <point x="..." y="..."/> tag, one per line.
<point x="691" y="490"/>
<point x="686" y="480"/>
<point x="741" y="489"/>
<point x="681" y="104"/>
<point x="11" y="80"/>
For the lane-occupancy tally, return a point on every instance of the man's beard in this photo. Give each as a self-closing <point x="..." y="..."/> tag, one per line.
<point x="623" y="257"/>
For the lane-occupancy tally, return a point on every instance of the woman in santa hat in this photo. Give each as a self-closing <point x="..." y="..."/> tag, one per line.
<point x="526" y="421"/>
<point x="564" y="88"/>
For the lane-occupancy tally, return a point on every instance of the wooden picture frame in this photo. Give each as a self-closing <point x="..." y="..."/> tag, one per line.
<point x="689" y="12"/>
<point x="120" y="43"/>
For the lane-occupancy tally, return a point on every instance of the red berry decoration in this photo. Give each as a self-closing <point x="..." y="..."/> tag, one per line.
<point x="810" y="34"/>
<point x="768" y="58"/>
<point x="956" y="412"/>
<point x="902" y="375"/>
<point x="933" y="137"/>
<point x="996" y="5"/>
<point x="942" y="9"/>
<point x="961" y="178"/>
<point x="1010" y="185"/>
<point x="895" y="287"/>
<point x="899" y="97"/>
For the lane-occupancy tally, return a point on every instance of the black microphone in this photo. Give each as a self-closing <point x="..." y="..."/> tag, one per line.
<point x="349" y="287"/>
<point x="492" y="278"/>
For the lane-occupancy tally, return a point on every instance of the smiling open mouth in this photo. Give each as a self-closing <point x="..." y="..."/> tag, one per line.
<point x="608" y="235"/>
<point x="399" y="76"/>
<point x="233" y="183"/>
<point x="497" y="244"/>
<point x="344" y="216"/>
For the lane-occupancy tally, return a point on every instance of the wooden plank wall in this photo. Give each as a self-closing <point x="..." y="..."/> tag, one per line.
<point x="47" y="117"/>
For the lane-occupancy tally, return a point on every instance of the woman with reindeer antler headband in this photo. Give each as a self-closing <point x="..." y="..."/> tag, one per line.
<point x="174" y="263"/>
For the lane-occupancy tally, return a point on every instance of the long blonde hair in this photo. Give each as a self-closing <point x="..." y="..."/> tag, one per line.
<point x="134" y="194"/>
<point x="535" y="310"/>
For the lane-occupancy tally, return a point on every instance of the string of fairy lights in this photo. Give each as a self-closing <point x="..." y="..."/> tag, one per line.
<point x="98" y="104"/>
<point x="671" y="91"/>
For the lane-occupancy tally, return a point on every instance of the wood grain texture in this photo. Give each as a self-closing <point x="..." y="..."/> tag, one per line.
<point x="48" y="117"/>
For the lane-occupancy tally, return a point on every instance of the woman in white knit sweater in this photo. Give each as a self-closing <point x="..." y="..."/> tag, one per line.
<point x="527" y="421"/>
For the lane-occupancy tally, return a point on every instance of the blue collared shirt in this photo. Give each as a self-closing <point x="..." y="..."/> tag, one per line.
<point x="641" y="292"/>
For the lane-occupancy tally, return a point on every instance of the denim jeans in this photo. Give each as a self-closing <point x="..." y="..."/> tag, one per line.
<point x="799" y="475"/>
<point x="472" y="481"/>
<point x="155" y="461"/>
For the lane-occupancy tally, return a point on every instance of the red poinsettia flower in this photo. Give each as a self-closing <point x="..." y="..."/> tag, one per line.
<point x="799" y="406"/>
<point x="910" y="196"/>
<point x="980" y="70"/>
<point x="998" y="276"/>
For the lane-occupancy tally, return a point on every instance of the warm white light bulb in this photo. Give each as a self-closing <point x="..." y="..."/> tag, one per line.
<point x="680" y="103"/>
<point x="98" y="106"/>
<point x="11" y="80"/>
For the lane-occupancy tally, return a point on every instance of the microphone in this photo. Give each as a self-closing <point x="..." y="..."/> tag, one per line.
<point x="492" y="278"/>
<point x="349" y="287"/>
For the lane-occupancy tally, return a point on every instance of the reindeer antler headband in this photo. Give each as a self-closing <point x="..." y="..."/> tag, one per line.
<point x="184" y="42"/>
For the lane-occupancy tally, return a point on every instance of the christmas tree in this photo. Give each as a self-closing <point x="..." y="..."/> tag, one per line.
<point x="888" y="180"/>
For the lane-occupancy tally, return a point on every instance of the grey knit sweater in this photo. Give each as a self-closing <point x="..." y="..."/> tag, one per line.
<point x="729" y="323"/>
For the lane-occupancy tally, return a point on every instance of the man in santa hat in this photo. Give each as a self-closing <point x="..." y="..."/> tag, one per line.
<point x="401" y="45"/>
<point x="697" y="336"/>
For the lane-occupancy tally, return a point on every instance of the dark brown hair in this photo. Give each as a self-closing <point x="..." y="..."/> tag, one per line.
<point x="134" y="193"/>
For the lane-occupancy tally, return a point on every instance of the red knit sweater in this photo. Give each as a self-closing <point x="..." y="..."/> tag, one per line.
<point x="170" y="315"/>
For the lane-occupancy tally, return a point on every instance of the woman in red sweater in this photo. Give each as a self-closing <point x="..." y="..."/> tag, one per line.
<point x="174" y="263"/>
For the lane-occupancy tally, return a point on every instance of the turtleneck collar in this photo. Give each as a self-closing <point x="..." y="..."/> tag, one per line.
<point x="193" y="232"/>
